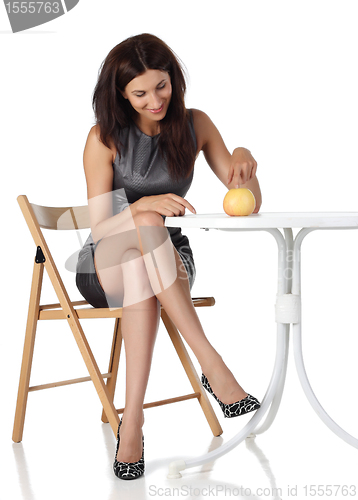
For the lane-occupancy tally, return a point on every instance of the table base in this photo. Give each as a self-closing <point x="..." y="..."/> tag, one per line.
<point x="288" y="312"/>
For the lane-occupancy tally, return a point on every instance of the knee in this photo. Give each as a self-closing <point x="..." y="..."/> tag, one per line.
<point x="132" y="262"/>
<point x="148" y="218"/>
<point x="132" y="256"/>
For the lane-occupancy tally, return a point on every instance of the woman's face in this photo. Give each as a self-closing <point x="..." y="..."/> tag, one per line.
<point x="150" y="94"/>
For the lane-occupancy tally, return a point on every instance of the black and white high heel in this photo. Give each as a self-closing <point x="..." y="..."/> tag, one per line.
<point x="128" y="470"/>
<point x="234" y="409"/>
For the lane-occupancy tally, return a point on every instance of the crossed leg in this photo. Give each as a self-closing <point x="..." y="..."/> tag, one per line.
<point x="138" y="269"/>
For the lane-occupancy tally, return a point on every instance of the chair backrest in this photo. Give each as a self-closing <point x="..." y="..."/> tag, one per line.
<point x="60" y="217"/>
<point x="38" y="217"/>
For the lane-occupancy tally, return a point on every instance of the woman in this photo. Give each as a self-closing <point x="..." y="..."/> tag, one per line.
<point x="138" y="162"/>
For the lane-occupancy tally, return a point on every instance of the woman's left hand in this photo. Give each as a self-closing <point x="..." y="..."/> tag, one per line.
<point x="242" y="167"/>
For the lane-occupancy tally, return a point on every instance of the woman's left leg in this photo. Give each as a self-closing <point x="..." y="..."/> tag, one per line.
<point x="140" y="322"/>
<point x="139" y="329"/>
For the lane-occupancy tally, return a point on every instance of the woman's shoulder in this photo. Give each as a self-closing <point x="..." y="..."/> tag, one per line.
<point x="199" y="115"/>
<point x="94" y="143"/>
<point x="201" y="124"/>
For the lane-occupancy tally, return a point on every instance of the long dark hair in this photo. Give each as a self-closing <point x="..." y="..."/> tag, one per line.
<point x="126" y="61"/>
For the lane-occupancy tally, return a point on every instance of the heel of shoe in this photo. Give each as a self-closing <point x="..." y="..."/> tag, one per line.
<point x="207" y="387"/>
<point x="241" y="407"/>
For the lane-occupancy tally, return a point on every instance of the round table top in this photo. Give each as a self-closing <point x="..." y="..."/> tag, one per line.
<point x="265" y="220"/>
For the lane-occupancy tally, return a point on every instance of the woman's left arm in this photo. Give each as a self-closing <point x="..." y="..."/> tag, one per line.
<point x="234" y="170"/>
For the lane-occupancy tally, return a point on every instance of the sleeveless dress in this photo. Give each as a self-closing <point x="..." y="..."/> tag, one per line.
<point x="141" y="171"/>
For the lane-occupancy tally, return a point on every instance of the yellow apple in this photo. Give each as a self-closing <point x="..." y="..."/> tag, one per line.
<point x="239" y="201"/>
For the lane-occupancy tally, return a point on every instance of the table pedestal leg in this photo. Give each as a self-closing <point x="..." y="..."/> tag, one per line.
<point x="266" y="424"/>
<point x="285" y="255"/>
<point x="297" y="346"/>
<point x="277" y="380"/>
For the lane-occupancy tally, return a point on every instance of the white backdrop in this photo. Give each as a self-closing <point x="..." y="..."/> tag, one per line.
<point x="277" y="77"/>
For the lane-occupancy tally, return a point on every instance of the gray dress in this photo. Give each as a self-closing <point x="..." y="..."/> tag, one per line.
<point x="141" y="171"/>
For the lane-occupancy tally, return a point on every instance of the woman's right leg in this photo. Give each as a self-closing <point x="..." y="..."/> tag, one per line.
<point x="170" y="284"/>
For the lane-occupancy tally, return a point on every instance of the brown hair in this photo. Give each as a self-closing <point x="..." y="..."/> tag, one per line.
<point x="126" y="61"/>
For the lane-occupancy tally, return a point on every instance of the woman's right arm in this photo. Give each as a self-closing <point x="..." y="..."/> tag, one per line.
<point x="98" y="160"/>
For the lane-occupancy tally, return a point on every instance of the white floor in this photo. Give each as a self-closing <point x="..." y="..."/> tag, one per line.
<point x="67" y="452"/>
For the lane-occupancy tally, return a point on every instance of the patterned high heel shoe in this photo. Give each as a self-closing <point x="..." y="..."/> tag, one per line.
<point x="234" y="409"/>
<point x="128" y="470"/>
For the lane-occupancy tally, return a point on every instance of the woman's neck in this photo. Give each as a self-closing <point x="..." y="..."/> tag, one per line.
<point x="150" y="128"/>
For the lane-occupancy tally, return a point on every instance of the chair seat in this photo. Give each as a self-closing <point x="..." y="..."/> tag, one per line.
<point x="54" y="311"/>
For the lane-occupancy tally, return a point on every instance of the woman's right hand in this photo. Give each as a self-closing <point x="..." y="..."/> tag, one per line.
<point x="168" y="204"/>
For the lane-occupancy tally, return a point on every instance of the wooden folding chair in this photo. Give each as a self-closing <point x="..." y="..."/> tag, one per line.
<point x="38" y="217"/>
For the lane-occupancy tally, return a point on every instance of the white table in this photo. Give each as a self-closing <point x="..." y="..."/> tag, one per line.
<point x="288" y="310"/>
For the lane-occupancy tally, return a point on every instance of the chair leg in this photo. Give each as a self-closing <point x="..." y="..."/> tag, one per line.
<point x="192" y="375"/>
<point x="93" y="369"/>
<point x="113" y="363"/>
<point x="28" y="351"/>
